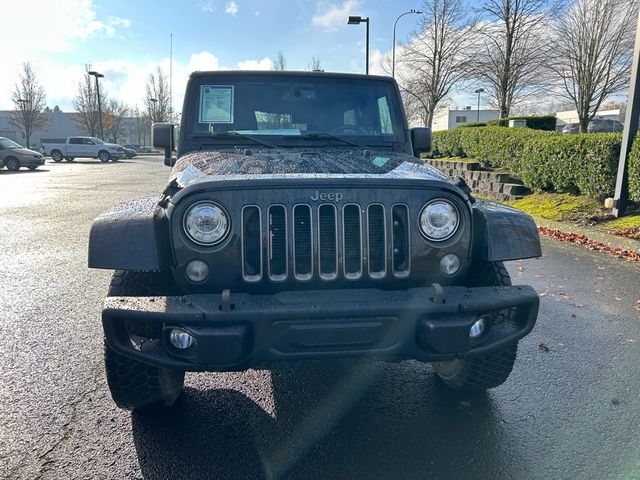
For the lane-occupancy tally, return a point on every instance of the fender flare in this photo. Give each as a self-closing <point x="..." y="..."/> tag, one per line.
<point x="131" y="236"/>
<point x="502" y="233"/>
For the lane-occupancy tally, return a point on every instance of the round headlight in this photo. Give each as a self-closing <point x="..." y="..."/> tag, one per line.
<point x="439" y="220"/>
<point x="206" y="223"/>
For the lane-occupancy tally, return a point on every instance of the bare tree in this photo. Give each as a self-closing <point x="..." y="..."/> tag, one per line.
<point x="157" y="97"/>
<point x="514" y="52"/>
<point x="437" y="57"/>
<point x="141" y="125"/>
<point x="29" y="99"/>
<point x="315" y="65"/>
<point x="114" y="114"/>
<point x="85" y="104"/>
<point x="280" y="63"/>
<point x="594" y="57"/>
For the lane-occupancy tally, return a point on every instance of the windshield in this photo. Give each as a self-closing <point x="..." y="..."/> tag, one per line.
<point x="6" y="143"/>
<point x="296" y="106"/>
<point x="97" y="140"/>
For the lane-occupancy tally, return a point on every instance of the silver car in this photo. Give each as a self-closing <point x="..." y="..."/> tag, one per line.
<point x="13" y="156"/>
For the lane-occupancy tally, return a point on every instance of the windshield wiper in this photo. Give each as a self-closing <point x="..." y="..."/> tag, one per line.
<point x="320" y="136"/>
<point x="234" y="134"/>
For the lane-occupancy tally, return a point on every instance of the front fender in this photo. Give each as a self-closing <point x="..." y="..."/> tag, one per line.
<point x="131" y="236"/>
<point x="503" y="233"/>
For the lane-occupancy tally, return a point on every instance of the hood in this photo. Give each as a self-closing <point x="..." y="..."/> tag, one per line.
<point x="26" y="151"/>
<point x="203" y="166"/>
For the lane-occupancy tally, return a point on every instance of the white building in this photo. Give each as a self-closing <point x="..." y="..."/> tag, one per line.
<point x="570" y="117"/>
<point x="446" y="118"/>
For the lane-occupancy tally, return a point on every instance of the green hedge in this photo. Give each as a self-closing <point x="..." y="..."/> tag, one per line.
<point x="582" y="163"/>
<point x="634" y="171"/>
<point x="535" y="122"/>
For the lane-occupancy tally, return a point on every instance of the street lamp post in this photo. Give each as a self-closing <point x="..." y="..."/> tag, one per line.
<point x="98" y="75"/>
<point x="154" y="102"/>
<point x="356" y="20"/>
<point x="393" y="55"/>
<point x="478" y="91"/>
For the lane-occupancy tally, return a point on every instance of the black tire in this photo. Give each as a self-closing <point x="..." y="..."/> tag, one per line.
<point x="12" y="164"/>
<point x="32" y="167"/>
<point x="103" y="156"/>
<point x="56" y="156"/>
<point x="69" y="159"/>
<point x="134" y="385"/>
<point x="488" y="371"/>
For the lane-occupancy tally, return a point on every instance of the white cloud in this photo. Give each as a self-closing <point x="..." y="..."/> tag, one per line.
<point x="207" y="5"/>
<point x="330" y="16"/>
<point x="231" y="8"/>
<point x="264" y="64"/>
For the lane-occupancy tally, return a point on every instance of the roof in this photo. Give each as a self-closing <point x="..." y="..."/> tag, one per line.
<point x="291" y="73"/>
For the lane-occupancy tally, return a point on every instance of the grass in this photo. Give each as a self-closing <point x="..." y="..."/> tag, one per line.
<point x="623" y="223"/>
<point x="558" y="206"/>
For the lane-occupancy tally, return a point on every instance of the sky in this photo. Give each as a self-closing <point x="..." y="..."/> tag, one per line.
<point x="126" y="40"/>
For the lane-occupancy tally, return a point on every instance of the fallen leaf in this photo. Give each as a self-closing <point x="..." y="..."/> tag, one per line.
<point x="615" y="401"/>
<point x="543" y="348"/>
<point x="628" y="255"/>
<point x="573" y="315"/>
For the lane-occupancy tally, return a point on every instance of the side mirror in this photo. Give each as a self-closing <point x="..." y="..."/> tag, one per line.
<point x="163" y="136"/>
<point x="421" y="140"/>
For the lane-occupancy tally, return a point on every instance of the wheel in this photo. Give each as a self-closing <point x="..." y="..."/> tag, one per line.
<point x="69" y="159"/>
<point x="103" y="156"/>
<point x="12" y="164"/>
<point x="487" y="371"/>
<point x="134" y="385"/>
<point x="32" y="167"/>
<point x="56" y="156"/>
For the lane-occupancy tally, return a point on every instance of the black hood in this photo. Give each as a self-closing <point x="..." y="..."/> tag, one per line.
<point x="299" y="162"/>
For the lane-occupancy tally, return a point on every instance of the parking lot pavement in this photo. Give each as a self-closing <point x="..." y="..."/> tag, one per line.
<point x="569" y="410"/>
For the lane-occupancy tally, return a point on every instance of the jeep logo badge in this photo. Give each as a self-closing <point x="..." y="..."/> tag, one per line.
<point x="326" y="197"/>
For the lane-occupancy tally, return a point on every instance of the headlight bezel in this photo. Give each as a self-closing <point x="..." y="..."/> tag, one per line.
<point x="458" y="214"/>
<point x="189" y="209"/>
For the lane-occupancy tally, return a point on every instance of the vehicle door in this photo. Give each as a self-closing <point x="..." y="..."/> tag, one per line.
<point x="89" y="148"/>
<point x="75" y="148"/>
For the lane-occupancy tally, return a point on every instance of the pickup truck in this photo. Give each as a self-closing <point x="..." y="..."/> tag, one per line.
<point x="84" y="147"/>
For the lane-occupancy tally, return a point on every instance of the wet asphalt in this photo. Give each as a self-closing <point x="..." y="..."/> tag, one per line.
<point x="570" y="412"/>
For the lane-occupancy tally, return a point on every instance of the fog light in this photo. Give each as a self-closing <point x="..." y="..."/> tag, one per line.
<point x="197" y="271"/>
<point x="450" y="264"/>
<point x="477" y="328"/>
<point x="180" y="339"/>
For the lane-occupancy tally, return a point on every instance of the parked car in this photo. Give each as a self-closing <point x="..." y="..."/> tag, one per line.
<point x="14" y="156"/>
<point x="595" y="126"/>
<point x="130" y="152"/>
<point x="84" y="147"/>
<point x="320" y="235"/>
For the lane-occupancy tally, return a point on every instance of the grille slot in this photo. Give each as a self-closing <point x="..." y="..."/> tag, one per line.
<point x="327" y="242"/>
<point x="400" y="242"/>
<point x="251" y="244"/>
<point x="277" y="242"/>
<point x="352" y="241"/>
<point x="302" y="238"/>
<point x="377" y="239"/>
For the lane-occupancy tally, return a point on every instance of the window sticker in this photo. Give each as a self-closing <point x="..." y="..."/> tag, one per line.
<point x="216" y="104"/>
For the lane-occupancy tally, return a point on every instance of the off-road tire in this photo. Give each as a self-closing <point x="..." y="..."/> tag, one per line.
<point x="56" y="156"/>
<point x="103" y="156"/>
<point x="134" y="385"/>
<point x="488" y="371"/>
<point x="12" y="164"/>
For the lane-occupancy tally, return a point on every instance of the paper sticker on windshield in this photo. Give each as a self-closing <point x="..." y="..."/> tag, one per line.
<point x="216" y="104"/>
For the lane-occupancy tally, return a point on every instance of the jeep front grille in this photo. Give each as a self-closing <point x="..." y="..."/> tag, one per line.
<point x="325" y="242"/>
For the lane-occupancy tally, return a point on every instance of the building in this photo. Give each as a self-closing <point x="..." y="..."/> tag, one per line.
<point x="446" y="118"/>
<point x="62" y="125"/>
<point x="570" y="117"/>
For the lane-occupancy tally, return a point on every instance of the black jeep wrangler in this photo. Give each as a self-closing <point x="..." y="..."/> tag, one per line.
<point x="298" y="223"/>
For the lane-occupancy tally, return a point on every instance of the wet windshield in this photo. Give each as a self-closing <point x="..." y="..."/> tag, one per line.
<point x="295" y="108"/>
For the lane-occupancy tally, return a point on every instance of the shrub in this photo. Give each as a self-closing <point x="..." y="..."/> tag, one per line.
<point x="535" y="122"/>
<point x="634" y="171"/>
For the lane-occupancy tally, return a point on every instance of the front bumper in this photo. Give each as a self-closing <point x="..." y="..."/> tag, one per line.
<point x="249" y="330"/>
<point x="31" y="162"/>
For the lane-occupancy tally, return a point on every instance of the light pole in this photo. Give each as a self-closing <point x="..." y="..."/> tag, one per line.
<point x="393" y="55"/>
<point x="357" y="20"/>
<point x="154" y="102"/>
<point x="98" y="75"/>
<point x="479" y="91"/>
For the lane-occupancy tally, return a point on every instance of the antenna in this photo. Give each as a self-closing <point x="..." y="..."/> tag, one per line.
<point x="171" y="78"/>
